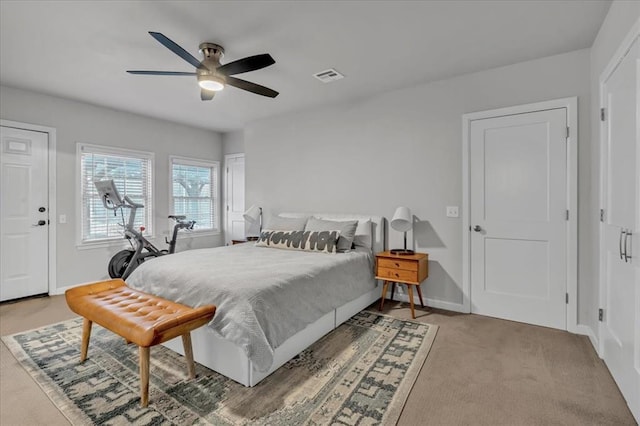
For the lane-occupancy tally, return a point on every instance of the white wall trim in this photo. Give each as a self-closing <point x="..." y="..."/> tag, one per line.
<point x="571" y="105"/>
<point x="227" y="158"/>
<point x="214" y="164"/>
<point x="150" y="219"/>
<point x="53" y="221"/>
<point x="401" y="295"/>
<point x="615" y="60"/>
<point x="585" y="330"/>
<point x="62" y="290"/>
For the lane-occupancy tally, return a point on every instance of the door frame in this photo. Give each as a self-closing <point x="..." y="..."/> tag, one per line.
<point x="225" y="179"/>
<point x="51" y="139"/>
<point x="608" y="71"/>
<point x="571" y="105"/>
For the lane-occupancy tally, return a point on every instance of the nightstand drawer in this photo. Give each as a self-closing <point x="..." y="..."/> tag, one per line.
<point x="407" y="265"/>
<point x="397" y="274"/>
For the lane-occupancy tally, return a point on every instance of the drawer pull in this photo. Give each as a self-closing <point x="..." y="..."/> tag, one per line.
<point x="397" y="275"/>
<point x="397" y="264"/>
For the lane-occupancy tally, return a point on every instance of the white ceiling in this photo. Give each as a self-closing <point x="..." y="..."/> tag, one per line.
<point x="80" y="50"/>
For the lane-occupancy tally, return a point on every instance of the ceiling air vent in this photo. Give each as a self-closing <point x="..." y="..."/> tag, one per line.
<point x="327" y="76"/>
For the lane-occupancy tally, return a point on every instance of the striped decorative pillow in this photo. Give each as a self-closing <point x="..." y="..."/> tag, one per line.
<point x="323" y="241"/>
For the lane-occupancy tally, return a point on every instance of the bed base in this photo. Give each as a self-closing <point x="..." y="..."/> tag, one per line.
<point x="229" y="360"/>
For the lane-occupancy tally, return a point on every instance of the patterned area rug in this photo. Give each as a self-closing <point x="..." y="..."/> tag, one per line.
<point x="360" y="373"/>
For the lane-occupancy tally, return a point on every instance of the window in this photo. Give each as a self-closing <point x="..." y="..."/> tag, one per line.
<point x="194" y="191"/>
<point x="131" y="171"/>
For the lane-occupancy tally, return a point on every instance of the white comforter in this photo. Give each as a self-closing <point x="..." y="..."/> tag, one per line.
<point x="263" y="295"/>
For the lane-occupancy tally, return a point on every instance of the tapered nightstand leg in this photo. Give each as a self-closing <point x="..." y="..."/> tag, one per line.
<point x="410" y="291"/>
<point x="393" y="289"/>
<point x="385" y="287"/>
<point x="420" y="295"/>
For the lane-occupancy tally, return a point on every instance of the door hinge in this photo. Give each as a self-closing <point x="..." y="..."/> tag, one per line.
<point x="568" y="132"/>
<point x="227" y="207"/>
<point x="566" y="298"/>
<point x="567" y="215"/>
<point x="227" y="170"/>
<point x="602" y="115"/>
<point x="600" y="314"/>
<point x="601" y="215"/>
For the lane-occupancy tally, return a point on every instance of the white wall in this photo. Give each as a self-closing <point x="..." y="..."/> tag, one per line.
<point x="621" y="17"/>
<point x="80" y="122"/>
<point x="403" y="148"/>
<point x="233" y="142"/>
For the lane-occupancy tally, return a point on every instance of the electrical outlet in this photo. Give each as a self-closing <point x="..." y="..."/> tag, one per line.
<point x="63" y="218"/>
<point x="452" y="211"/>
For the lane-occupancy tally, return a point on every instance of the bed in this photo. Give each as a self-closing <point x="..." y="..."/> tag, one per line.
<point x="272" y="303"/>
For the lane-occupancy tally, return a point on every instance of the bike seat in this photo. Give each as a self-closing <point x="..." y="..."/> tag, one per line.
<point x="177" y="216"/>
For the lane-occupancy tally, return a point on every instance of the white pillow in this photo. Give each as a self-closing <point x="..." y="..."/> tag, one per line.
<point x="364" y="234"/>
<point x="286" y="223"/>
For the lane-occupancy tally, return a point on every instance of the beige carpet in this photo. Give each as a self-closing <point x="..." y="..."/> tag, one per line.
<point x="481" y="371"/>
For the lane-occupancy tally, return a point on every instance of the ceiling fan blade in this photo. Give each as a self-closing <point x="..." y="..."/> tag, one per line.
<point x="250" y="63"/>
<point x="251" y="87"/>
<point x="171" y="45"/>
<point x="207" y="95"/>
<point x="161" y="73"/>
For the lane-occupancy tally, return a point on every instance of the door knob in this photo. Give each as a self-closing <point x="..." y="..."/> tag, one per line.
<point x="42" y="209"/>
<point x="477" y="228"/>
<point x="40" y="223"/>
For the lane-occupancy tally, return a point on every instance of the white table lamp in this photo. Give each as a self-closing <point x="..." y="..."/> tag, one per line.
<point x="402" y="222"/>
<point x="253" y="216"/>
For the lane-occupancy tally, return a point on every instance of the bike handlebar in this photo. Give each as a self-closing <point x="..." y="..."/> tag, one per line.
<point x="133" y="203"/>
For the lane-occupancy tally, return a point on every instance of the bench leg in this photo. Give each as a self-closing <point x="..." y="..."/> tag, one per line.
<point x="86" y="334"/>
<point x="188" y="355"/>
<point x="144" y="376"/>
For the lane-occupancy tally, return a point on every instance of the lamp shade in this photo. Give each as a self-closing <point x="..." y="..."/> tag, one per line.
<point x="402" y="220"/>
<point x="253" y="214"/>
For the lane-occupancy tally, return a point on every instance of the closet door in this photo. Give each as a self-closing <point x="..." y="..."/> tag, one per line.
<point x="620" y="251"/>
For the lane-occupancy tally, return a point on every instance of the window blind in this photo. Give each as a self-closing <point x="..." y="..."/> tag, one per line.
<point x="131" y="174"/>
<point x="194" y="192"/>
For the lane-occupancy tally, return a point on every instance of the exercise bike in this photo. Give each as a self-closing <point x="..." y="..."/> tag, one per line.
<point x="123" y="263"/>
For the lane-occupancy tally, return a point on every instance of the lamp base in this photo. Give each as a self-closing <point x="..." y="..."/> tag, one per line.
<point x="401" y="252"/>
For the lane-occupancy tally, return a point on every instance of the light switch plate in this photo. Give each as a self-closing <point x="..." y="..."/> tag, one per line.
<point x="452" y="211"/>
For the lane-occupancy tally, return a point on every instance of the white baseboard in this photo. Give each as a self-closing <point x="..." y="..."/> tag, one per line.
<point x="432" y="303"/>
<point x="585" y="330"/>
<point x="59" y="291"/>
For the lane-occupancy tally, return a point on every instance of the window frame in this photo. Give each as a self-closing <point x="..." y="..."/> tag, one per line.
<point x="187" y="161"/>
<point x="150" y="208"/>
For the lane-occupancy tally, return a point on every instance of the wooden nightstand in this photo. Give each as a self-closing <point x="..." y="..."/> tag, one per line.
<point x="249" y="239"/>
<point x="402" y="269"/>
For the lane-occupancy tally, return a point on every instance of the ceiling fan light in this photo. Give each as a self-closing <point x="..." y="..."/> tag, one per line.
<point x="211" y="82"/>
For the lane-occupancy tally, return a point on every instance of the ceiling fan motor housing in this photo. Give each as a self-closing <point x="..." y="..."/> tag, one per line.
<point x="207" y="71"/>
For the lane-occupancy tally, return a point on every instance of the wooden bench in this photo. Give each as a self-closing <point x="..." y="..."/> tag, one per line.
<point x="141" y="318"/>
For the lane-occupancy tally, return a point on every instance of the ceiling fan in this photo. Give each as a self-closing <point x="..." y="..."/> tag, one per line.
<point x="213" y="76"/>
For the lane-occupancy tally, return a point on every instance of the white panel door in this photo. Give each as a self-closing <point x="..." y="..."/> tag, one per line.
<point x="24" y="213"/>
<point x="518" y="173"/>
<point x="620" y="327"/>
<point x="234" y="194"/>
